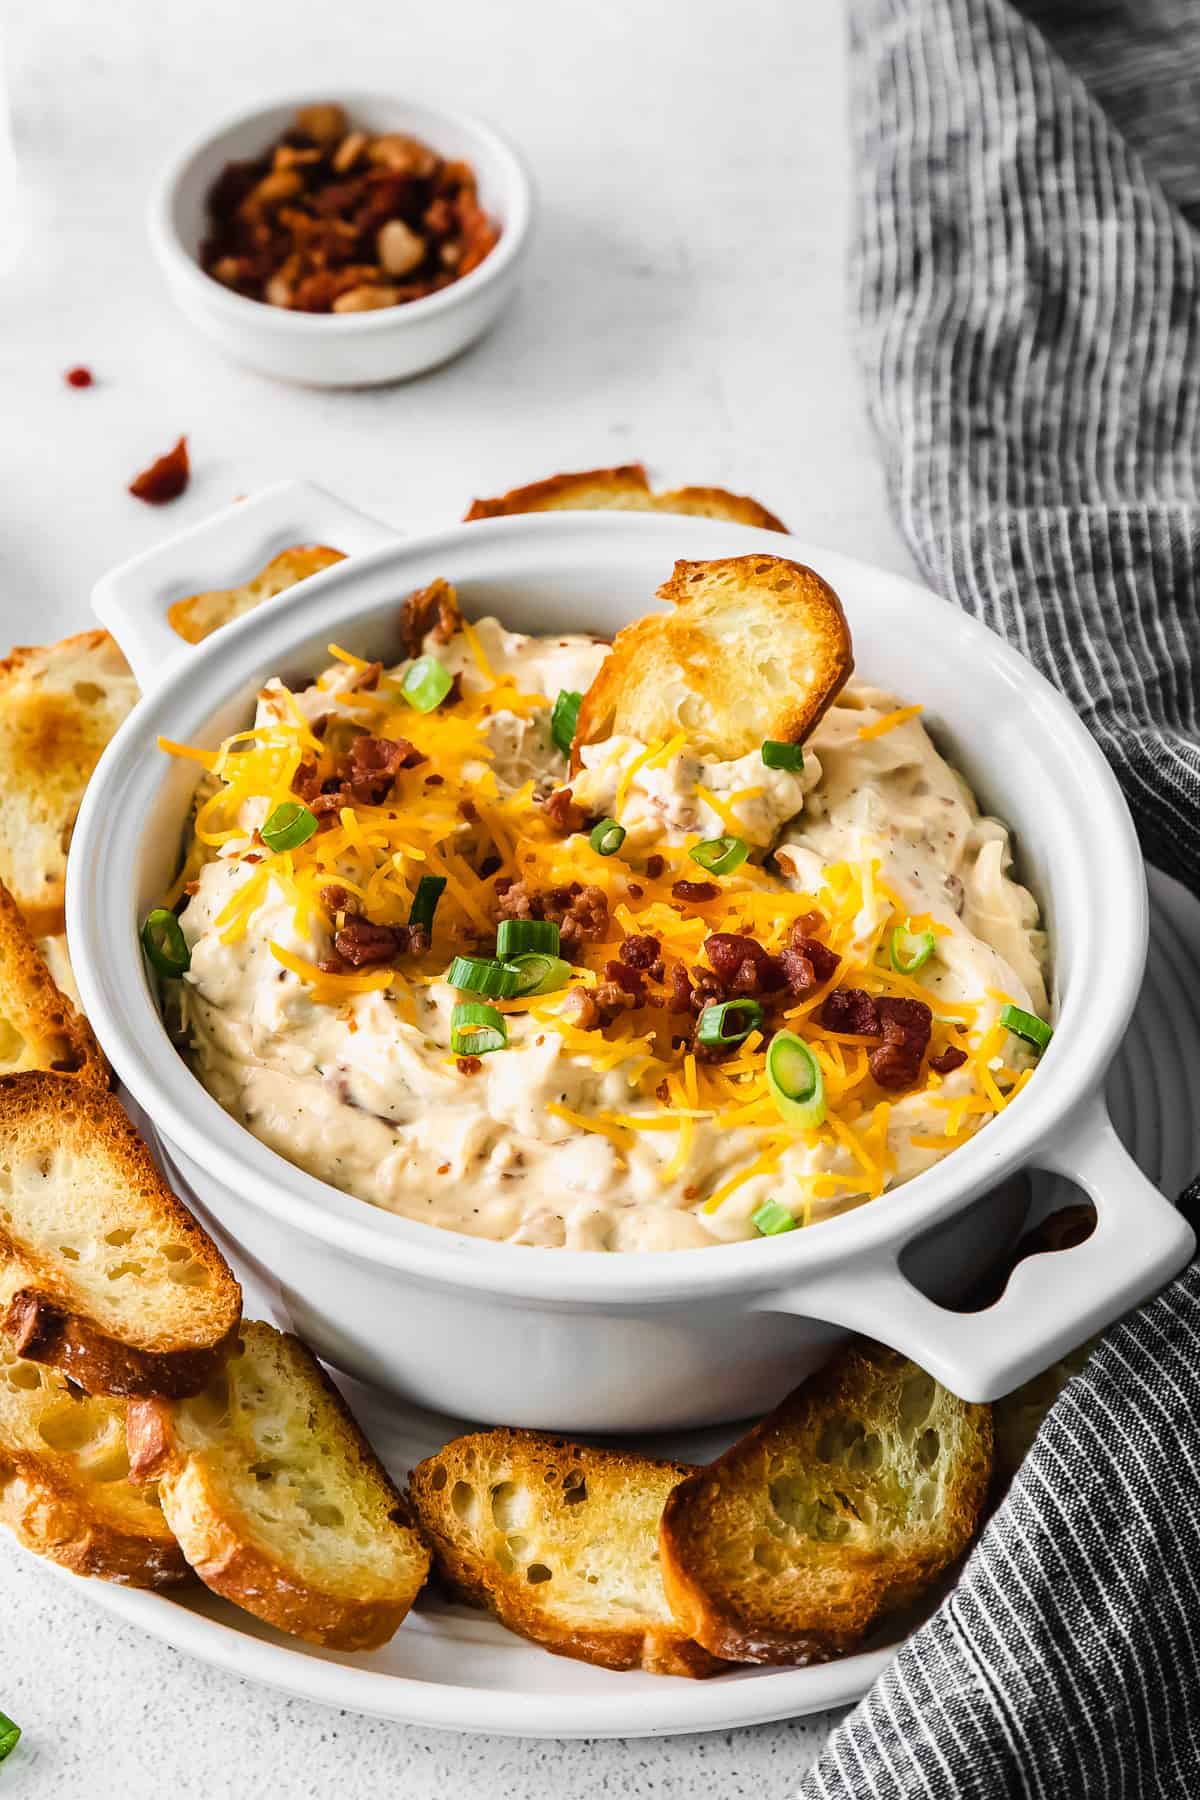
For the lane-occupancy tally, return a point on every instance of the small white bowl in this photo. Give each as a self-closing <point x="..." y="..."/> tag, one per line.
<point x="342" y="349"/>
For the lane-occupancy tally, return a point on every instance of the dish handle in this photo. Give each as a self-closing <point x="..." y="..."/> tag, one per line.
<point x="1053" y="1301"/>
<point x="230" y="547"/>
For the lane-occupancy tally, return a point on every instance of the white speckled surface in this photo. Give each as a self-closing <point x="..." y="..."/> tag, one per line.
<point x="684" y="305"/>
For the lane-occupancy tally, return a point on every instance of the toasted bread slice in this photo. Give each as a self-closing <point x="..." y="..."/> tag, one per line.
<point x="560" y="1542"/>
<point x="104" y="1274"/>
<point x="625" y="489"/>
<point x="57" y="958"/>
<point x="64" y="1481"/>
<point x="199" y="615"/>
<point x="842" y="1504"/>
<point x="39" y="1027"/>
<point x="277" y="1499"/>
<point x="756" y="647"/>
<point x="58" y="708"/>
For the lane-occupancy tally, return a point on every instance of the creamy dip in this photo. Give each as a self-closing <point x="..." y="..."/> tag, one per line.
<point x="610" y="1138"/>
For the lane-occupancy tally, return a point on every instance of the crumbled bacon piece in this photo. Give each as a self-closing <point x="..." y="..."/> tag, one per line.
<point x="469" y="1065"/>
<point x="798" y="971"/>
<point x="360" y="943"/>
<point x="581" y="913"/>
<point x="655" y="866"/>
<point x="695" y="892"/>
<point x="563" y="814"/>
<point x="950" y="1059"/>
<point x="640" y="952"/>
<point x="372" y="764"/>
<point x="742" y="964"/>
<point x="580" y="1009"/>
<point x="824" y="961"/>
<point x="431" y="610"/>
<point x="628" y="979"/>
<point x="906" y="1025"/>
<point x="852" y="1011"/>
<point x="79" y="377"/>
<point x="335" y="898"/>
<point x="165" y="479"/>
<point x="680" y="998"/>
<point x="306" y="782"/>
<point x="367" y="680"/>
<point x="805" y="926"/>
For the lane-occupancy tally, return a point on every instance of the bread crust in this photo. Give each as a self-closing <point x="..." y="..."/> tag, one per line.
<point x="53" y="1518"/>
<point x="812" y="1613"/>
<point x="624" y="488"/>
<point x="44" y="1305"/>
<point x="698" y="653"/>
<point x="197" y="616"/>
<point x="55" y="1033"/>
<point x="59" y="705"/>
<point x="226" y="1551"/>
<point x="656" y="1646"/>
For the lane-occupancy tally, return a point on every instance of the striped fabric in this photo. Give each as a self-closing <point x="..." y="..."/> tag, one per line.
<point x="1028" y="306"/>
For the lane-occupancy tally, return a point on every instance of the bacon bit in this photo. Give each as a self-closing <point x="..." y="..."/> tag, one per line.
<point x="906" y="1025"/>
<point x="563" y="814"/>
<point x="662" y="1093"/>
<point x="430" y="611"/>
<point x="580" y="1009"/>
<point x="469" y="1065"/>
<point x="640" y="952"/>
<point x="79" y="377"/>
<point x="362" y="944"/>
<point x="443" y="1168"/>
<point x="165" y="479"/>
<point x="628" y="979"/>
<point x="251" y="856"/>
<point x="435" y="781"/>
<point x="335" y="898"/>
<point x="824" y="960"/>
<point x="695" y="891"/>
<point x="367" y="679"/>
<point x="742" y="965"/>
<point x="654" y="867"/>
<point x="581" y="913"/>
<point x="680" y="998"/>
<point x="950" y="1059"/>
<point x="850" y="1010"/>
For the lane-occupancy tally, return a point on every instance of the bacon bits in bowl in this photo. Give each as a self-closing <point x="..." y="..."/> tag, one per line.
<point x="343" y="242"/>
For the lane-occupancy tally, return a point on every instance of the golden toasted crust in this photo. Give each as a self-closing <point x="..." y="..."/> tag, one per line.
<point x="64" y="1487"/>
<point x="104" y="1273"/>
<point x="199" y="615"/>
<point x="59" y="705"/>
<point x="842" y="1504"/>
<point x="39" y="1027"/>
<point x="756" y="647"/>
<point x="257" y="1477"/>
<point x="623" y="489"/>
<point x="558" y="1540"/>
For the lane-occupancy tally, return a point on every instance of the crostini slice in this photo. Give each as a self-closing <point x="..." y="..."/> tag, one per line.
<point x="560" y="1542"/>
<point x="104" y="1273"/>
<point x="754" y="648"/>
<point x="840" y="1506"/>
<point x="40" y="1028"/>
<point x="623" y="489"/>
<point x="197" y="616"/>
<point x="65" y="1490"/>
<point x="277" y="1499"/>
<point x="59" y="705"/>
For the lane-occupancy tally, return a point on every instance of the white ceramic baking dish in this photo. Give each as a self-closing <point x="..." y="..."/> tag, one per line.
<point x="619" y="1343"/>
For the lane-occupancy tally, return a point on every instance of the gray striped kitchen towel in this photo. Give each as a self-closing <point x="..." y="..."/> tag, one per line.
<point x="1027" y="289"/>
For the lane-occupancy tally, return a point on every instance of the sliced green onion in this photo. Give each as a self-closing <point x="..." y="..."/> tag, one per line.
<point x="910" y="950"/>
<point x="782" y="756"/>
<point x="476" y="1030"/>
<point x="720" y="856"/>
<point x="426" y="683"/>
<point x="289" y="826"/>
<point x="772" y="1218"/>
<point x="565" y="718"/>
<point x="513" y="936"/>
<point x="728" y="1023"/>
<point x="1026" y="1025"/>
<point x="538" y="973"/>
<point x="607" y="837"/>
<point x="9" y="1733"/>
<point x="795" y="1080"/>
<point x="430" y="889"/>
<point x="482" y="975"/>
<point x="164" y="942"/>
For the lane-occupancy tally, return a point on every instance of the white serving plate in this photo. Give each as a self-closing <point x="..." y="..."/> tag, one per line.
<point x="455" y="1669"/>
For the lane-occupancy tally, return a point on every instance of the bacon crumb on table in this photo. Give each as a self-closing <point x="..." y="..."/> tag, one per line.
<point x="165" y="479"/>
<point x="79" y="377"/>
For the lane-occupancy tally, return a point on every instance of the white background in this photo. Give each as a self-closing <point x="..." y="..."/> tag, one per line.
<point x="685" y="306"/>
